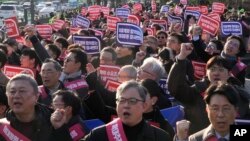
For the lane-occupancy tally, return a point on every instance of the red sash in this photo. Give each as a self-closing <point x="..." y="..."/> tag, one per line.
<point x="212" y="138"/>
<point x="9" y="133"/>
<point x="238" y="67"/>
<point x="42" y="92"/>
<point x="76" y="132"/>
<point x="115" y="131"/>
<point x="76" y="84"/>
<point x="152" y="123"/>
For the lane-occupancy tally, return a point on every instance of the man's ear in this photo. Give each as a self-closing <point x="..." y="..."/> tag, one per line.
<point x="154" y="99"/>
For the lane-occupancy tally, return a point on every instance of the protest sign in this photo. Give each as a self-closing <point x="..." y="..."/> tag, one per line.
<point x="162" y="23"/>
<point x="174" y="19"/>
<point x="112" y="85"/>
<point x="129" y="34"/>
<point x="133" y="19"/>
<point x="209" y="25"/>
<point x="193" y="8"/>
<point x="151" y="31"/>
<point x="11" y="27"/>
<point x="199" y="69"/>
<point x="73" y="30"/>
<point x="163" y="83"/>
<point x="105" y="11"/>
<point x="82" y="21"/>
<point x="193" y="13"/>
<point x="58" y="24"/>
<point x="122" y="12"/>
<point x="153" y="5"/>
<point x="98" y="33"/>
<point x="45" y="30"/>
<point x="126" y="6"/>
<point x="111" y="22"/>
<point x="164" y="9"/>
<point x="108" y="72"/>
<point x="91" y="45"/>
<point x="231" y="28"/>
<point x="11" y="71"/>
<point x="218" y="7"/>
<point x="94" y="11"/>
<point x="214" y="16"/>
<point x="184" y="2"/>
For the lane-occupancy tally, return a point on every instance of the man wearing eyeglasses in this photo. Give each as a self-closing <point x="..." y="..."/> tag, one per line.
<point x="129" y="125"/>
<point x="221" y="105"/>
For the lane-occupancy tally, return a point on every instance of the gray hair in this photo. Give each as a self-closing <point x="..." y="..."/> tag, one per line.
<point x="131" y="70"/>
<point x="132" y="84"/>
<point x="24" y="77"/>
<point x="156" y="67"/>
<point x="57" y="65"/>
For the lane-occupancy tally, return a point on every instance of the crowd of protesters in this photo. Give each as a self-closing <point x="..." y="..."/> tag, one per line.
<point x="66" y="88"/>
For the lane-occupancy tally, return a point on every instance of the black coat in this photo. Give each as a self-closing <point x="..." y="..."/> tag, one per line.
<point x="40" y="127"/>
<point x="146" y="133"/>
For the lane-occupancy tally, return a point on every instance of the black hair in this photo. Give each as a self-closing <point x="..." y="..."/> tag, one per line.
<point x="223" y="89"/>
<point x="220" y="61"/>
<point x="70" y="99"/>
<point x="80" y="56"/>
<point x="179" y="37"/>
<point x="242" y="48"/>
<point x="62" y="41"/>
<point x="3" y="59"/>
<point x="32" y="55"/>
<point x="54" y="49"/>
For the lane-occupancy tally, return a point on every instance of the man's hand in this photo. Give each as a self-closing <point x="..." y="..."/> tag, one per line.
<point x="186" y="49"/>
<point x="182" y="129"/>
<point x="58" y="118"/>
<point x="139" y="56"/>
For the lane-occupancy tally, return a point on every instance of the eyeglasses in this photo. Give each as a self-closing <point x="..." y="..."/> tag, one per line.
<point x="49" y="72"/>
<point x="234" y="44"/>
<point x="220" y="69"/>
<point x="140" y="69"/>
<point x="216" y="110"/>
<point x="131" y="101"/>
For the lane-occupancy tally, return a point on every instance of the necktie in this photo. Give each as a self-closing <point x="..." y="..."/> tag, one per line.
<point x="222" y="139"/>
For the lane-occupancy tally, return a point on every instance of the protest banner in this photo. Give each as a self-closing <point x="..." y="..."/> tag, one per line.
<point x="122" y="12"/>
<point x="163" y="83"/>
<point x="218" y="7"/>
<point x="11" y="71"/>
<point x="133" y="19"/>
<point x="111" y="22"/>
<point x="196" y="14"/>
<point x="82" y="21"/>
<point x="112" y="85"/>
<point x="129" y="34"/>
<point x="91" y="45"/>
<point x="209" y="25"/>
<point x="231" y="28"/>
<point x="108" y="72"/>
<point x="105" y="11"/>
<point x="58" y="24"/>
<point x="164" y="9"/>
<point x="162" y="23"/>
<point x="94" y="12"/>
<point x="45" y="30"/>
<point x="193" y="8"/>
<point x="174" y="19"/>
<point x="11" y="27"/>
<point x="153" y="5"/>
<point x="73" y="30"/>
<point x="214" y="16"/>
<point x="199" y="69"/>
<point x="126" y="6"/>
<point x="20" y="39"/>
<point x="151" y="31"/>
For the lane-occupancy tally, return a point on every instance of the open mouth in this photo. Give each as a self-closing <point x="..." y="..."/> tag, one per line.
<point x="17" y="104"/>
<point x="126" y="114"/>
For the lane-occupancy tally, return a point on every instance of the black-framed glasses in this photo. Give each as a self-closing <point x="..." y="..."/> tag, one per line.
<point x="142" y="70"/>
<point x="130" y="101"/>
<point x="161" y="37"/>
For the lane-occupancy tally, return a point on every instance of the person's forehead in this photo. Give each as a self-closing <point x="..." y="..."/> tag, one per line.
<point x="130" y="92"/>
<point x="57" y="98"/>
<point x="48" y="66"/>
<point x="70" y="55"/>
<point x="219" y="100"/>
<point x="20" y="84"/>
